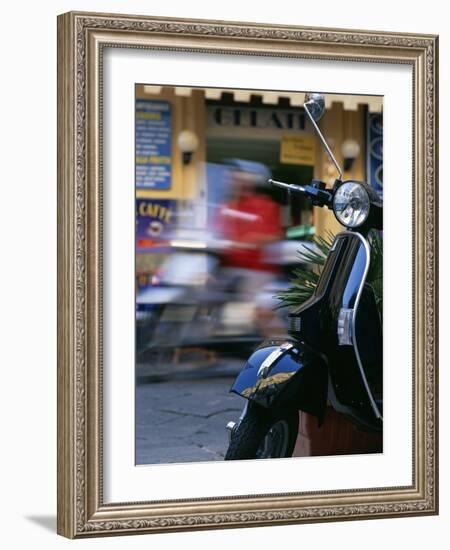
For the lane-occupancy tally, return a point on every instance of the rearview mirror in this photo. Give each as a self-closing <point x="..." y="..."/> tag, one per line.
<point x="315" y="107"/>
<point x="315" y="103"/>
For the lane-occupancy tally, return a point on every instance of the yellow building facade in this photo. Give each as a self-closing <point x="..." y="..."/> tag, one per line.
<point x="345" y="119"/>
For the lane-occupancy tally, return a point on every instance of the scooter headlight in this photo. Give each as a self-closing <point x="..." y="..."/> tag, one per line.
<point x="351" y="204"/>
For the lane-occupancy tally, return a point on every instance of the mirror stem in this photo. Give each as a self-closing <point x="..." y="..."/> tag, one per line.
<point x="322" y="139"/>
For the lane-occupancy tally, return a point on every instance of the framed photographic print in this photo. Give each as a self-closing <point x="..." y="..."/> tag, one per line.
<point x="247" y="276"/>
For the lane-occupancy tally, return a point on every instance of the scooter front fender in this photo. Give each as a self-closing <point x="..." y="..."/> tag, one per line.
<point x="285" y="375"/>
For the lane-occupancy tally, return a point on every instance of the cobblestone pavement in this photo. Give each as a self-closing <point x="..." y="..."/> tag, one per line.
<point x="183" y="418"/>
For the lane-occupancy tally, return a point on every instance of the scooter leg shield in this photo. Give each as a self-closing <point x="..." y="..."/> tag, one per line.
<point x="285" y="375"/>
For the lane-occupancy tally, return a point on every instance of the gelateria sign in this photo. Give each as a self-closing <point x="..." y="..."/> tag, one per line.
<point x="222" y="119"/>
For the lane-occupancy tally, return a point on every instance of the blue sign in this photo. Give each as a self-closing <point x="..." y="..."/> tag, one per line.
<point x="153" y="144"/>
<point x="375" y="151"/>
<point x="154" y="218"/>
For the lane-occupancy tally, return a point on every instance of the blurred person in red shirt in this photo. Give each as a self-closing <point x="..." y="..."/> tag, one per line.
<point x="250" y="220"/>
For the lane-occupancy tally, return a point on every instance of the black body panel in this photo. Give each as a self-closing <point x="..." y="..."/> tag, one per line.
<point x="315" y="323"/>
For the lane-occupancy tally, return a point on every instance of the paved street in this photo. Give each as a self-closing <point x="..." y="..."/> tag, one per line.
<point x="183" y="418"/>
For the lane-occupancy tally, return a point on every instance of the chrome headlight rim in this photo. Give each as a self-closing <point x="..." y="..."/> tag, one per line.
<point x="365" y="207"/>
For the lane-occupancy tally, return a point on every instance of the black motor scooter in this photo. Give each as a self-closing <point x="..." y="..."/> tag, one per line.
<point x="335" y="350"/>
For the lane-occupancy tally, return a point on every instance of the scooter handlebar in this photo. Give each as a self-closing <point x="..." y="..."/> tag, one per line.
<point x="316" y="192"/>
<point x="289" y="186"/>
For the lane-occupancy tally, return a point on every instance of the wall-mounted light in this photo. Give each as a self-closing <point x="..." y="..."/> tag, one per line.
<point x="187" y="143"/>
<point x="350" y="152"/>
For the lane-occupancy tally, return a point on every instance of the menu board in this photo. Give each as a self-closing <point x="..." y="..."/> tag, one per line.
<point x="153" y="144"/>
<point x="297" y="149"/>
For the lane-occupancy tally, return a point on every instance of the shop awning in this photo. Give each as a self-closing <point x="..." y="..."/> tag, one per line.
<point x="350" y="102"/>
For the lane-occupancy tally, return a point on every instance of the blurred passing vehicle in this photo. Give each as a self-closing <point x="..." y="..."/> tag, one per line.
<point x="195" y="303"/>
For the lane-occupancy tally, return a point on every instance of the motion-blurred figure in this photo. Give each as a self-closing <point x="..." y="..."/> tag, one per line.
<point x="250" y="220"/>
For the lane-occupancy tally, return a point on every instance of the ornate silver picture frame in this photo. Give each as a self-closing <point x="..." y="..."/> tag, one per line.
<point x="82" y="41"/>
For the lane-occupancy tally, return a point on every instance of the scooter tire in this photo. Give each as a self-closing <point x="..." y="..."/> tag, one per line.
<point x="256" y="425"/>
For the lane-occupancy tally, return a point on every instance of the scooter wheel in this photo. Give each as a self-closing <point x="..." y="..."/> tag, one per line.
<point x="264" y="435"/>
